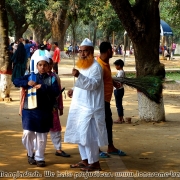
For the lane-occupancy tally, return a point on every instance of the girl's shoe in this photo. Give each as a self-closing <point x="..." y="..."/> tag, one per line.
<point x="40" y="163"/>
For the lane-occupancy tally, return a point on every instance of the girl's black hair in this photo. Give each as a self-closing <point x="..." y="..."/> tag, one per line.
<point x="20" y="53"/>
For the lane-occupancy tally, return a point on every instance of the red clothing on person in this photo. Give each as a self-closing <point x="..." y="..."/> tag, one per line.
<point x="56" y="56"/>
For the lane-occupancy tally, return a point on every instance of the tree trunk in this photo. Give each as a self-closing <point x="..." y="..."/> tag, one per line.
<point x="5" y="63"/>
<point x="94" y="34"/>
<point x="20" y="21"/>
<point x="149" y="110"/>
<point x="107" y="38"/>
<point x="142" y="23"/>
<point x="20" y="28"/>
<point x="40" y="34"/>
<point x="148" y="64"/>
<point x="59" y="24"/>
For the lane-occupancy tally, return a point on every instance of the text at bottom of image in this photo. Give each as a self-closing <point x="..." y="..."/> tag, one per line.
<point x="86" y="175"/>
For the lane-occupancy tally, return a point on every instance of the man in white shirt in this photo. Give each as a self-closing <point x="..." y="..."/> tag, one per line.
<point x="86" y="119"/>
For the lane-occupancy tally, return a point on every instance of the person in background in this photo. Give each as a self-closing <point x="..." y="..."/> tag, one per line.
<point x="56" y="57"/>
<point x="48" y="46"/>
<point x="119" y="92"/>
<point x="31" y="39"/>
<point x="21" y="40"/>
<point x="10" y="49"/>
<point x="15" y="45"/>
<point x="70" y="50"/>
<point x="32" y="49"/>
<point x="76" y="49"/>
<point x="173" y="48"/>
<point x="105" y="54"/>
<point x="27" y="47"/>
<point x="167" y="54"/>
<point x="19" y="60"/>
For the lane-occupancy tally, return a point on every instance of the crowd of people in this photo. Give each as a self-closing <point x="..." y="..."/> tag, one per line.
<point x="167" y="51"/>
<point x="22" y="50"/>
<point x="72" y="50"/>
<point x="89" y="122"/>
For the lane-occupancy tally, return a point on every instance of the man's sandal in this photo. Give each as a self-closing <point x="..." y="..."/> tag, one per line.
<point x="91" y="168"/>
<point x="104" y="155"/>
<point x="118" y="152"/>
<point x="78" y="165"/>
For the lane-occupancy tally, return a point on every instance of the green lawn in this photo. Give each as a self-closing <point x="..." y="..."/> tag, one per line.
<point x="173" y="75"/>
<point x="169" y="75"/>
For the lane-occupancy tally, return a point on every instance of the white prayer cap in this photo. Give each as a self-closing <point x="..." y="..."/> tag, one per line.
<point x="37" y="56"/>
<point x="40" y="52"/>
<point x="35" y="60"/>
<point x="49" y="56"/>
<point x="41" y="58"/>
<point x="87" y="42"/>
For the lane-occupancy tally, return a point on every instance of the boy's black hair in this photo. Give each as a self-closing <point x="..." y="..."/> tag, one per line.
<point x="56" y="43"/>
<point x="104" y="46"/>
<point x="26" y="41"/>
<point x="119" y="62"/>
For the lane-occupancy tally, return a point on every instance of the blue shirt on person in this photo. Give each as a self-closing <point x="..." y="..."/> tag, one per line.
<point x="27" y="47"/>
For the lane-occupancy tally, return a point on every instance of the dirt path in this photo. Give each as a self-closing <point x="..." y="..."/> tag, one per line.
<point x="150" y="147"/>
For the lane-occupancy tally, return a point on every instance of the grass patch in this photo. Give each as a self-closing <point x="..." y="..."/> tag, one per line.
<point x="175" y="76"/>
<point x="130" y="75"/>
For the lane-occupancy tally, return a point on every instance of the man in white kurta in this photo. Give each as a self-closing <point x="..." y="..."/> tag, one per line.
<point x="86" y="119"/>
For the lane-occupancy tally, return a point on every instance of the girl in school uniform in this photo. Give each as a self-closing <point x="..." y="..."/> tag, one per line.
<point x="55" y="132"/>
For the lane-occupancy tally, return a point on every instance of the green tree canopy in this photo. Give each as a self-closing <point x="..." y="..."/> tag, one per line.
<point x="22" y="13"/>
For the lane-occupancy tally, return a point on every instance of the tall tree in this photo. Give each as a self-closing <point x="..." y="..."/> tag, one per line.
<point x="57" y="15"/>
<point x="22" y="13"/>
<point x="5" y="64"/>
<point x="40" y="27"/>
<point x="141" y="20"/>
<point x="103" y="17"/>
<point x="17" y="11"/>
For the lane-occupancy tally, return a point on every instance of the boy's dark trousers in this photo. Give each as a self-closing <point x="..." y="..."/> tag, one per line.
<point x="119" y="93"/>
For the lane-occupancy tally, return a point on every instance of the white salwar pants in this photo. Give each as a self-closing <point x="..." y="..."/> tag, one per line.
<point x="90" y="151"/>
<point x="38" y="145"/>
<point x="56" y="139"/>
